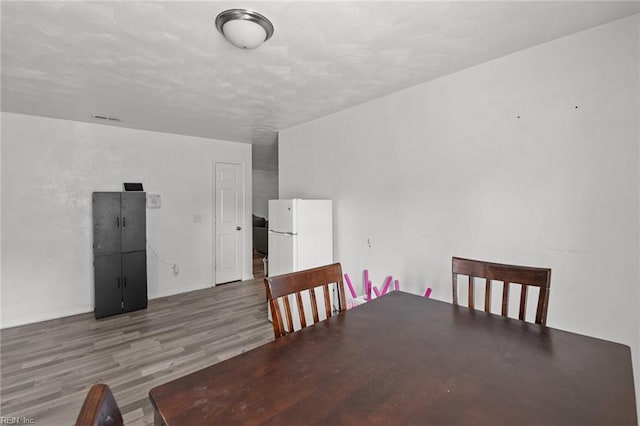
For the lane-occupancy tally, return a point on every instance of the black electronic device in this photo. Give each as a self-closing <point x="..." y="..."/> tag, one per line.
<point x="133" y="186"/>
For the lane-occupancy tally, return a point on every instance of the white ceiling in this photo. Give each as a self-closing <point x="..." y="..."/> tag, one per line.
<point x="163" y="66"/>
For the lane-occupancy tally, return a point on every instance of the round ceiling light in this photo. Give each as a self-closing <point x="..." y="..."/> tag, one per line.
<point x="244" y="28"/>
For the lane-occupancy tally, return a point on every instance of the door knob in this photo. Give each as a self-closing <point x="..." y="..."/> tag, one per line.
<point x="238" y="228"/>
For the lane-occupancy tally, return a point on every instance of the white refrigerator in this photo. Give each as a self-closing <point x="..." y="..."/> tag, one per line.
<point x="300" y="237"/>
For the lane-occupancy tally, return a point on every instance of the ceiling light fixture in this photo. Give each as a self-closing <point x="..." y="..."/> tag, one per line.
<point x="244" y="28"/>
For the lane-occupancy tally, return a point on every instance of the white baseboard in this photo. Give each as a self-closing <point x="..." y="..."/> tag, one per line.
<point x="180" y="291"/>
<point x="46" y="316"/>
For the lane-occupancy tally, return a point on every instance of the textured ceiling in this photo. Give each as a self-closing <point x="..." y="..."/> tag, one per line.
<point x="163" y="66"/>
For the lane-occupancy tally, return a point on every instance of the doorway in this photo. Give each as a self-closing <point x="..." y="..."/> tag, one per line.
<point x="229" y="219"/>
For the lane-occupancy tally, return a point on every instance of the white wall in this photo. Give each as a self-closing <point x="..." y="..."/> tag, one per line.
<point x="265" y="188"/>
<point x="448" y="169"/>
<point x="50" y="168"/>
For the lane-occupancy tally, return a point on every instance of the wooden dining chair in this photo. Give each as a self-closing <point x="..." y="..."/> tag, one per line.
<point x="525" y="276"/>
<point x="99" y="408"/>
<point x="279" y="288"/>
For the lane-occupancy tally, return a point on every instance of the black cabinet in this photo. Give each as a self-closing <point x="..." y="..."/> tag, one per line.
<point x="119" y="250"/>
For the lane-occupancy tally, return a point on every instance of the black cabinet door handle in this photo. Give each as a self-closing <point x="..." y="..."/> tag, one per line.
<point x="118" y="222"/>
<point x="118" y="282"/>
<point x="124" y="280"/>
<point x="124" y="221"/>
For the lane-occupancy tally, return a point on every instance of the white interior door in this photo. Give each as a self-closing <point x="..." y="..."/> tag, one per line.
<point x="229" y="219"/>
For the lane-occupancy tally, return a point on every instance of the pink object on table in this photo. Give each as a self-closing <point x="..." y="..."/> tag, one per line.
<point x="367" y="284"/>
<point x="386" y="285"/>
<point x="369" y="288"/>
<point x="428" y="292"/>
<point x="353" y="292"/>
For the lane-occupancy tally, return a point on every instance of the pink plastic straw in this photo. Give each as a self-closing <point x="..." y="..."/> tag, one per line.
<point x="397" y="285"/>
<point x="428" y="292"/>
<point x="386" y="285"/>
<point x="376" y="291"/>
<point x="353" y="292"/>
<point x="367" y="284"/>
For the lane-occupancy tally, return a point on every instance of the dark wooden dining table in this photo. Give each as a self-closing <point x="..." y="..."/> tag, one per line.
<point x="402" y="359"/>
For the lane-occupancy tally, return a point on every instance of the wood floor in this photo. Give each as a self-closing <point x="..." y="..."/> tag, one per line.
<point x="47" y="368"/>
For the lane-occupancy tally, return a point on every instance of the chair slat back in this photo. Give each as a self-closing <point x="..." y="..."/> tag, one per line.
<point x="99" y="408"/>
<point x="281" y="286"/>
<point x="524" y="276"/>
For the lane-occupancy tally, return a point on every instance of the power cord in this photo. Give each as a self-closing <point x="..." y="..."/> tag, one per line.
<point x="173" y="266"/>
